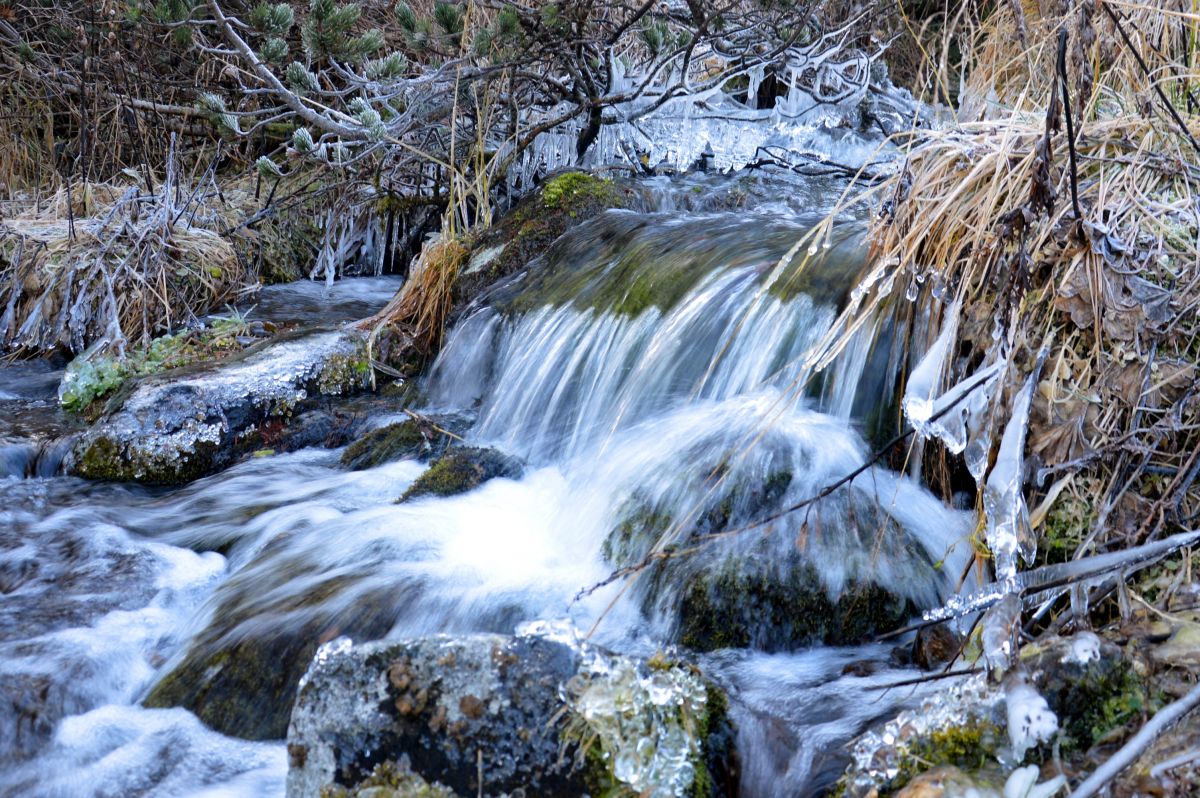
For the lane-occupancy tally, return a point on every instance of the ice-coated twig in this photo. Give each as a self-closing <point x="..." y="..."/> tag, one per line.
<point x="1139" y="743"/>
<point x="1053" y="577"/>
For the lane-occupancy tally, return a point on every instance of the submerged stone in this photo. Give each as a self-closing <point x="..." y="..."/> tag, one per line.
<point x="462" y="469"/>
<point x="178" y="429"/>
<point x="526" y="713"/>
<point x="240" y="674"/>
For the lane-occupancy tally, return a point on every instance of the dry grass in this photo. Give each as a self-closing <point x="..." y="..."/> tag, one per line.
<point x="113" y="264"/>
<point x="415" y="320"/>
<point x="983" y="210"/>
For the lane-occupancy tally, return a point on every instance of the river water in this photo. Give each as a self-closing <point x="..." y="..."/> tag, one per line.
<point x="611" y="386"/>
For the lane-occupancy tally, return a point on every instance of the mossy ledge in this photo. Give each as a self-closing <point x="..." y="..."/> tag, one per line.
<point x="532" y="226"/>
<point x="417" y="438"/>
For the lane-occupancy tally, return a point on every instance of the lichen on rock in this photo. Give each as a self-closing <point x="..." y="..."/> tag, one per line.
<point x="528" y="713"/>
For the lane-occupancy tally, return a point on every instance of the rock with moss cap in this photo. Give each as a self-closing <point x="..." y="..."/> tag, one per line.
<point x="524" y="704"/>
<point x="525" y="233"/>
<point x="1091" y="688"/>
<point x="461" y="469"/>
<point x="180" y="427"/>
<point x="420" y="438"/>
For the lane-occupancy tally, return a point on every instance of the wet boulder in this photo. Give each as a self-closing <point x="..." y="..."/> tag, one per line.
<point x="177" y="428"/>
<point x="421" y="438"/>
<point x="526" y="713"/>
<point x="462" y="469"/>
<point x="765" y="591"/>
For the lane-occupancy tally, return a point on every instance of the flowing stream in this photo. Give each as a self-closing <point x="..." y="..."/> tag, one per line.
<point x="653" y="360"/>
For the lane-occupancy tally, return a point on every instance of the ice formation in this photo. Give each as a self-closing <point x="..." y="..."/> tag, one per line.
<point x="1030" y="719"/>
<point x="956" y="416"/>
<point x="643" y="719"/>
<point x="1008" y="530"/>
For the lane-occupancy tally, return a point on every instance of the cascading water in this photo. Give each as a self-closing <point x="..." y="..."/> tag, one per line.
<point x="651" y="374"/>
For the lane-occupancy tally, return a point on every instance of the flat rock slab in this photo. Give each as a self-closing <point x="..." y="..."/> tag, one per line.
<point x="175" y="429"/>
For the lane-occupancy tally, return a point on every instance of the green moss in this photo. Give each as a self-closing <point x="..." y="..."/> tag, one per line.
<point x="717" y="740"/>
<point x="566" y="190"/>
<point x="1067" y="524"/>
<point x="91" y="379"/>
<point x="1102" y="701"/>
<point x="345" y="373"/>
<point x="386" y="444"/>
<point x="971" y="747"/>
<point x="529" y="229"/>
<point x="107" y="459"/>
<point x="460" y="470"/>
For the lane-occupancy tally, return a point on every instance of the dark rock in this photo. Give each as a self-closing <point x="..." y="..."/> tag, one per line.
<point x="935" y="645"/>
<point x="462" y="469"/>
<point x="179" y="428"/>
<point x="755" y="594"/>
<point x="417" y="438"/>
<point x="779" y="610"/>
<point x="423" y="712"/>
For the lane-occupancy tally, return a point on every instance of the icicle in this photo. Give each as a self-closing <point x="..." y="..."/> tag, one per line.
<point x="998" y="634"/>
<point x="1008" y="531"/>
<point x="956" y="413"/>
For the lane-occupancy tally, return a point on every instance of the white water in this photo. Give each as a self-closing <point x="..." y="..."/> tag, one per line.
<point x="103" y="588"/>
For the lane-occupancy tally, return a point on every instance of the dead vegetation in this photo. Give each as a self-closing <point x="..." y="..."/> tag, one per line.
<point x="1055" y="211"/>
<point x="114" y="264"/>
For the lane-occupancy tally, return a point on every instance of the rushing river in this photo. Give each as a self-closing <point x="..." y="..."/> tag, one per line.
<point x="612" y="387"/>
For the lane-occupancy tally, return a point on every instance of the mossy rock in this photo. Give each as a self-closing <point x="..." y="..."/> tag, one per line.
<point x="1091" y="695"/>
<point x="532" y="226"/>
<point x="178" y="427"/>
<point x="780" y="610"/>
<point x="462" y="469"/>
<point x="416" y="438"/>
<point x="756" y="596"/>
<point x="241" y="674"/>
<point x="104" y="458"/>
